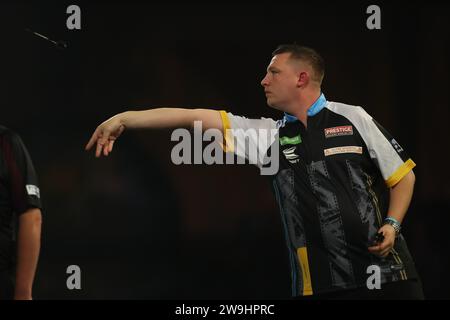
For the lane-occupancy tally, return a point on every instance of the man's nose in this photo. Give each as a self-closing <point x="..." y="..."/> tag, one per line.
<point x="264" y="81"/>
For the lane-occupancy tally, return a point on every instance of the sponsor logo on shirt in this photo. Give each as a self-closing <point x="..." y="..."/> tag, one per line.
<point x="338" y="131"/>
<point x="290" y="155"/>
<point x="288" y="140"/>
<point x="32" y="190"/>
<point x="396" y="146"/>
<point x="339" y="150"/>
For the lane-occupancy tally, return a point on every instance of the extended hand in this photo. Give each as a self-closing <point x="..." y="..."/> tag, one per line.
<point x="105" y="135"/>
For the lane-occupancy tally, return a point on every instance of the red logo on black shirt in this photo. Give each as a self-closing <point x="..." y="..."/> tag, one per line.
<point x="338" y="131"/>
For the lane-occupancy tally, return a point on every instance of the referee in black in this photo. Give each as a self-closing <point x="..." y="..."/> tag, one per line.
<point x="20" y="218"/>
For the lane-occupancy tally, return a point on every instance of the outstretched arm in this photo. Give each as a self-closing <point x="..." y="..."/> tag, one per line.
<point x="106" y="133"/>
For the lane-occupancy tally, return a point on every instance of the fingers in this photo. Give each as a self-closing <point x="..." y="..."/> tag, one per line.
<point x="101" y="137"/>
<point x="104" y="138"/>
<point x="375" y="249"/>
<point x="111" y="143"/>
<point x="93" y="139"/>
<point x="385" y="252"/>
<point x="384" y="245"/>
<point x="98" y="150"/>
<point x="106" y="148"/>
<point x="381" y="253"/>
<point x="382" y="249"/>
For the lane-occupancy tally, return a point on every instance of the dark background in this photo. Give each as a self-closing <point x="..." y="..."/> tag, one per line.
<point x="141" y="227"/>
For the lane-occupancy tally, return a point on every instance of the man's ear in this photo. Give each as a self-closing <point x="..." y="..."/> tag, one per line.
<point x="303" y="79"/>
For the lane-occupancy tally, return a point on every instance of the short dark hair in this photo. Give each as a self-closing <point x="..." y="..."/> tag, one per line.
<point x="309" y="55"/>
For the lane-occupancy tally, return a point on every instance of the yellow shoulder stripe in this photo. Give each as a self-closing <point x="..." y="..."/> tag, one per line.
<point x="229" y="141"/>
<point x="400" y="173"/>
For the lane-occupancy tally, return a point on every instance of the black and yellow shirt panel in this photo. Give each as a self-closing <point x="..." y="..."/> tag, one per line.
<point x="332" y="190"/>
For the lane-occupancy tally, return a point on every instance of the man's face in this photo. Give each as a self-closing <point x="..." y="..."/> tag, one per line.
<point x="281" y="82"/>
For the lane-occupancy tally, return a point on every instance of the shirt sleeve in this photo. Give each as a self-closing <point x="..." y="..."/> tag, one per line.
<point x="392" y="160"/>
<point x="248" y="138"/>
<point x="21" y="176"/>
<point x="395" y="163"/>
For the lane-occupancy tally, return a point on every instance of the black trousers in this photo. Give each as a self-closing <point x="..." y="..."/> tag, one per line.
<point x="399" y="290"/>
<point x="6" y="285"/>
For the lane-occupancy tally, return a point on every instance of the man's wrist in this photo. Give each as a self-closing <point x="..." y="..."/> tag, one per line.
<point x="394" y="223"/>
<point x="122" y="117"/>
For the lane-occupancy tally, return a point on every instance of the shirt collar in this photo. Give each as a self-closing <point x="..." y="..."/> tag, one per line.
<point x="314" y="109"/>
